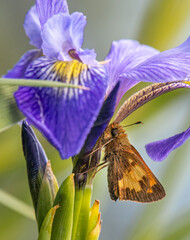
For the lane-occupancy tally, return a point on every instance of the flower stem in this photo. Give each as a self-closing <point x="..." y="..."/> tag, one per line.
<point x="85" y="210"/>
<point x="77" y="208"/>
<point x="81" y="213"/>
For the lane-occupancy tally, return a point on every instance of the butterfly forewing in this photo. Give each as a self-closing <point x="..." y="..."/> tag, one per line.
<point x="129" y="178"/>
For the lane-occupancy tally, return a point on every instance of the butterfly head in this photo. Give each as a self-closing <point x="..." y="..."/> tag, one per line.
<point x="114" y="132"/>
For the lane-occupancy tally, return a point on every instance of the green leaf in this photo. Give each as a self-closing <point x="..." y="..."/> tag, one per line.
<point x="45" y="230"/>
<point x="63" y="220"/>
<point x="8" y="109"/>
<point x="77" y="208"/>
<point x="17" y="205"/>
<point x="47" y="193"/>
<point x="37" y="83"/>
<point x="9" y="112"/>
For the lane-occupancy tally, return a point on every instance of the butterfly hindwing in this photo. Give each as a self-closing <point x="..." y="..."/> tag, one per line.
<point x="129" y="178"/>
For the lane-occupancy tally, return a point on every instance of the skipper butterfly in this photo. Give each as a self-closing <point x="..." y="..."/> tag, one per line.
<point x="129" y="178"/>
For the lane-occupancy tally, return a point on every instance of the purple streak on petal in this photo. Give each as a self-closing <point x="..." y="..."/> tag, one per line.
<point x="159" y="150"/>
<point x="21" y="66"/>
<point x="62" y="33"/>
<point x="124" y="55"/>
<point x="32" y="27"/>
<point x="77" y="30"/>
<point x="47" y="8"/>
<point x="64" y="116"/>
<point x="170" y="65"/>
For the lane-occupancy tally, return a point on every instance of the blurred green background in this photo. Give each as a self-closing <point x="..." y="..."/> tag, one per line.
<point x="162" y="24"/>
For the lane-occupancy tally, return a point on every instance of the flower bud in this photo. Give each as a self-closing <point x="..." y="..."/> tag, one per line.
<point x="42" y="182"/>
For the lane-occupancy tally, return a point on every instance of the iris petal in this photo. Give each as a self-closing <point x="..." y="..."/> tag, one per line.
<point x="102" y="120"/>
<point x="64" y="116"/>
<point x="159" y="150"/>
<point x="170" y="65"/>
<point x="32" y="27"/>
<point x="47" y="8"/>
<point x="124" y="55"/>
<point x="20" y="67"/>
<point x="62" y="33"/>
<point x="88" y="56"/>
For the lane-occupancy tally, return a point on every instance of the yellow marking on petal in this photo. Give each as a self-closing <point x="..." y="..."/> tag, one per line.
<point x="68" y="70"/>
<point x="186" y="82"/>
<point x="77" y="69"/>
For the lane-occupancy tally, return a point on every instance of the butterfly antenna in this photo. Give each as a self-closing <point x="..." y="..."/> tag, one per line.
<point x="100" y="166"/>
<point x="139" y="122"/>
<point x="95" y="150"/>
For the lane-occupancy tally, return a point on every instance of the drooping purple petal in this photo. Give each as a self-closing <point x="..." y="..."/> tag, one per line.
<point x="62" y="33"/>
<point x="32" y="27"/>
<point x="84" y="159"/>
<point x="47" y="8"/>
<point x="21" y="66"/>
<point x="125" y="85"/>
<point x="159" y="150"/>
<point x="170" y="65"/>
<point x="102" y="120"/>
<point x="64" y="116"/>
<point x="124" y="55"/>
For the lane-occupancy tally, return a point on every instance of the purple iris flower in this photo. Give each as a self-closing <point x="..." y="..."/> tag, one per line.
<point x="71" y="118"/>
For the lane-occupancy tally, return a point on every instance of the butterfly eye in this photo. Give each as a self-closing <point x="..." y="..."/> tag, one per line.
<point x="114" y="132"/>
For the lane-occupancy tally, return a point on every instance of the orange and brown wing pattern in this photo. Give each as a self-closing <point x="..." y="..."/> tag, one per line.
<point x="129" y="178"/>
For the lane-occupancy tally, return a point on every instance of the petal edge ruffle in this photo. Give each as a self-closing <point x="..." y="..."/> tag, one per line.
<point x="63" y="33"/>
<point x="32" y="27"/>
<point x="47" y="8"/>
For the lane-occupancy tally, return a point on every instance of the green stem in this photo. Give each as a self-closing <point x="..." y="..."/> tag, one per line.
<point x="37" y="83"/>
<point x="84" y="214"/>
<point x="77" y="208"/>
